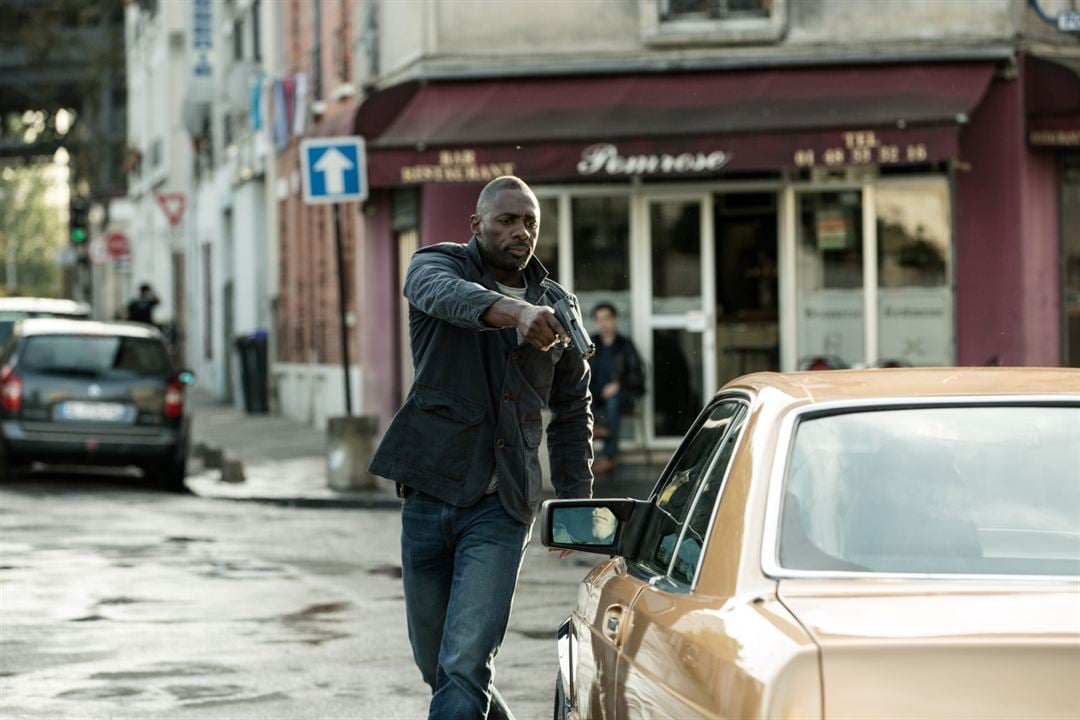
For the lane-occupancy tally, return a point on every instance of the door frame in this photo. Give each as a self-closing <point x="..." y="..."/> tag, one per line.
<point x="645" y="320"/>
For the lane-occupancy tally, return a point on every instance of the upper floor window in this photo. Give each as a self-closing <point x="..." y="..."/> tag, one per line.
<point x="677" y="22"/>
<point x="713" y="9"/>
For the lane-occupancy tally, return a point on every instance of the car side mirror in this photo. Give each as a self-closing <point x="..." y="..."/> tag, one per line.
<point x="606" y="526"/>
<point x="187" y="377"/>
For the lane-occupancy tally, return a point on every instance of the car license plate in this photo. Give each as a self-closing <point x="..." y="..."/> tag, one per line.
<point x="92" y="411"/>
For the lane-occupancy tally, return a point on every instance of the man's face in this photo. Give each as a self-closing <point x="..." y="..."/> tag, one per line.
<point x="606" y="323"/>
<point x="603" y="523"/>
<point x="507" y="230"/>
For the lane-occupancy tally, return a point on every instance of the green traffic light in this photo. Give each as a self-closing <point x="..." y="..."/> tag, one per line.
<point x="78" y="236"/>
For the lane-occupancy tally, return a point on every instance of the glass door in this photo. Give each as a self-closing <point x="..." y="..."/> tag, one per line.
<point x="676" y="322"/>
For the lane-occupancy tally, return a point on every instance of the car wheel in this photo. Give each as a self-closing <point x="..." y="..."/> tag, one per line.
<point x="562" y="706"/>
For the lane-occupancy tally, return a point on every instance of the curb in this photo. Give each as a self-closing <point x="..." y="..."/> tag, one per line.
<point x="312" y="503"/>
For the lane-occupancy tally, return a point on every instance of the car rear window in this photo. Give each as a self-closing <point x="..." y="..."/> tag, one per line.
<point x="94" y="355"/>
<point x="988" y="490"/>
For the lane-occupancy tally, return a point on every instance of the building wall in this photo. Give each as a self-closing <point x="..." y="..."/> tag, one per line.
<point x="308" y="376"/>
<point x="1008" y="280"/>
<point x="437" y="37"/>
<point x="380" y="295"/>
<point x="157" y="77"/>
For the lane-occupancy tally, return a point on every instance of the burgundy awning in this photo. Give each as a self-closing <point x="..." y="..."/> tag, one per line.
<point x="1052" y="97"/>
<point x="687" y="124"/>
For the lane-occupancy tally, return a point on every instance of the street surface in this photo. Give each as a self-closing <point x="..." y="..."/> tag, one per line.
<point x="117" y="601"/>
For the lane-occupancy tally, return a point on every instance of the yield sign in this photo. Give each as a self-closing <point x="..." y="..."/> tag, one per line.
<point x="172" y="204"/>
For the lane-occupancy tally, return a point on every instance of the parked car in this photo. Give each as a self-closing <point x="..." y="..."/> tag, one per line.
<point x="853" y="544"/>
<point x="84" y="392"/>
<point x="13" y="309"/>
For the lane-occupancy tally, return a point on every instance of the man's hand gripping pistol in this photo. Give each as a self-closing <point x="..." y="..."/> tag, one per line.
<point x="569" y="316"/>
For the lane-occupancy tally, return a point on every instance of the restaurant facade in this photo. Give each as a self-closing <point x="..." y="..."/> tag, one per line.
<point x="783" y="218"/>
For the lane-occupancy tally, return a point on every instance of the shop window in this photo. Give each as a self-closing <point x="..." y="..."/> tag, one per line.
<point x="547" y="246"/>
<point x="601" y="233"/>
<point x="676" y="256"/>
<point x="668" y="22"/>
<point x="914" y="256"/>
<point x="712" y="9"/>
<point x="1070" y="242"/>
<point x="829" y="280"/>
<point x="747" y="289"/>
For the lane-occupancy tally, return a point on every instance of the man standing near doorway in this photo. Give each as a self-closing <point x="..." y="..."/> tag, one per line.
<point x="141" y="308"/>
<point x="617" y="382"/>
<point x="463" y="449"/>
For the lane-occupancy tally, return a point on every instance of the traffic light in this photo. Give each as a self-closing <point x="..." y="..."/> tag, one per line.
<point x="79" y="220"/>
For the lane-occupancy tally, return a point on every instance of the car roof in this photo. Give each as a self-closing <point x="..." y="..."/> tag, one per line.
<point x="46" y="305"/>
<point x="881" y="383"/>
<point x="63" y="326"/>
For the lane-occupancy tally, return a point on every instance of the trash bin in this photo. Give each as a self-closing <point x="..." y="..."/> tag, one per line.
<point x="254" y="372"/>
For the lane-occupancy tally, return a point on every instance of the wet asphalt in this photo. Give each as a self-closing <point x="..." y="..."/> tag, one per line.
<point x="119" y="601"/>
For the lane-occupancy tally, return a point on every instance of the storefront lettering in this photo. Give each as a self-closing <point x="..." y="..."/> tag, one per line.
<point x="1055" y="138"/>
<point x="862" y="147"/>
<point x="456" y="166"/>
<point x="605" y="157"/>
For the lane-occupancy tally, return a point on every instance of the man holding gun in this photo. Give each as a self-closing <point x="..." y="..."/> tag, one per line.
<point x="489" y="353"/>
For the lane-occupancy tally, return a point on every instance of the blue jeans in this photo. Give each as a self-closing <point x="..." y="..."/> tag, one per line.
<point x="459" y="568"/>
<point x="609" y="413"/>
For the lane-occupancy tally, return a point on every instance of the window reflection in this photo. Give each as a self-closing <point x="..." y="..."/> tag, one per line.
<point x="601" y="238"/>
<point x="676" y="255"/>
<point x="830" y="280"/>
<point x="673" y="500"/>
<point x="677" y="378"/>
<point x="747" y="292"/>
<point x="915" y="305"/>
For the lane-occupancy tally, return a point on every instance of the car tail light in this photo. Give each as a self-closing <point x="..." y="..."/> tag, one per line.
<point x="174" y="399"/>
<point x="11" y="390"/>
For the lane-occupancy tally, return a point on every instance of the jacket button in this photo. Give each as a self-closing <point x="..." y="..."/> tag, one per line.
<point x="506" y="397"/>
<point x="500" y="443"/>
<point x="515" y="355"/>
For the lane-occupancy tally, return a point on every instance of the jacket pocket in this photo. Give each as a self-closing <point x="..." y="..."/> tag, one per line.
<point x="444" y="431"/>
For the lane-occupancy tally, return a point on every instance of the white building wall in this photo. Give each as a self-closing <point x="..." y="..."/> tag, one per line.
<point x="447" y="37"/>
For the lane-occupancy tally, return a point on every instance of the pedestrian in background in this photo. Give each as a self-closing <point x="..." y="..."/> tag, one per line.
<point x="618" y="381"/>
<point x="141" y="309"/>
<point x="463" y="449"/>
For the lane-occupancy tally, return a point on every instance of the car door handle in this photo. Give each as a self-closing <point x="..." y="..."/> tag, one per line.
<point x="613" y="623"/>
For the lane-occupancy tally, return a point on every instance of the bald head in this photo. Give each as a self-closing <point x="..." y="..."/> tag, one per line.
<point x="503" y="182"/>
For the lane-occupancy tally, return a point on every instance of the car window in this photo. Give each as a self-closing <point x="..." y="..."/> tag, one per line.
<point x="674" y="498"/>
<point x="692" y="543"/>
<point x="94" y="355"/>
<point x="958" y="490"/>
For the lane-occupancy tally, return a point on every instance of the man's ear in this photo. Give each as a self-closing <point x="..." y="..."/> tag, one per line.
<point x="474" y="224"/>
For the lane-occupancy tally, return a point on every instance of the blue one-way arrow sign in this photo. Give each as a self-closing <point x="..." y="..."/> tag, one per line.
<point x="334" y="169"/>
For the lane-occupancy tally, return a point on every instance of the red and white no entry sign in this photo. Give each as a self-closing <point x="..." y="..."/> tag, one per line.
<point x="117" y="244"/>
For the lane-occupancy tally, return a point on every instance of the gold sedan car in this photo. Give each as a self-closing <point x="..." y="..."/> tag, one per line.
<point x="850" y="544"/>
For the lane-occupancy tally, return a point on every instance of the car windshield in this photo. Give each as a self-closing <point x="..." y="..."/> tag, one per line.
<point x="956" y="490"/>
<point x="8" y="318"/>
<point x="94" y="356"/>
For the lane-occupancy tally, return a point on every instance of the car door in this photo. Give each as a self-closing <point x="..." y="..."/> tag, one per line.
<point x="610" y="591"/>
<point x="666" y="653"/>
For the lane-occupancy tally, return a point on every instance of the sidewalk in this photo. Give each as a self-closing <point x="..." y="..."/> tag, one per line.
<point x="284" y="463"/>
